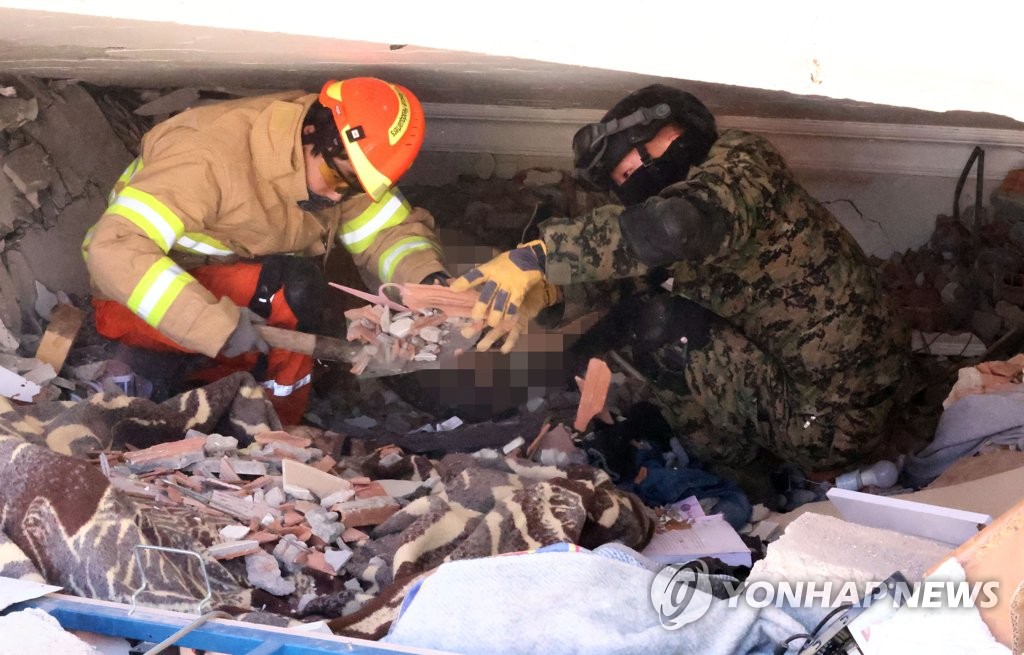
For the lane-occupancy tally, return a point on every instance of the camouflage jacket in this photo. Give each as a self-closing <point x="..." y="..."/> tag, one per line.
<point x="787" y="274"/>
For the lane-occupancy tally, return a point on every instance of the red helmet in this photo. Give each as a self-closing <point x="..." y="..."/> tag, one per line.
<point x="381" y="126"/>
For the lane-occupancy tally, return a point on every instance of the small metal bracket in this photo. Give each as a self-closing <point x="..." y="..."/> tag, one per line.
<point x="142" y="571"/>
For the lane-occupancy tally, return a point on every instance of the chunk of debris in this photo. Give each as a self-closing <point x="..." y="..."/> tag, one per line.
<point x="171" y="103"/>
<point x="399" y="488"/>
<point x="279" y="436"/>
<point x="28" y="167"/>
<point x="218" y="445"/>
<point x="366" y="512"/>
<point x="234" y="532"/>
<point x="262" y="571"/>
<point x="337" y="558"/>
<point x="325" y="525"/>
<point x="170" y="455"/>
<point x="296" y="474"/>
<point x="593" y="393"/>
<point x="290" y="552"/>
<point x="233" y="549"/>
<point x="15" y="112"/>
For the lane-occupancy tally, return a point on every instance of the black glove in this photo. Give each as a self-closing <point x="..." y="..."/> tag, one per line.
<point x="245" y="338"/>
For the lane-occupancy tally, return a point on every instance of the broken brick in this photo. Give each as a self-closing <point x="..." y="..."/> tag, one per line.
<point x="280" y="436"/>
<point x="173" y="455"/>
<point x="366" y="512"/>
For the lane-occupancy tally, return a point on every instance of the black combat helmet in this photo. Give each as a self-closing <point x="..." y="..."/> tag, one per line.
<point x="634" y="120"/>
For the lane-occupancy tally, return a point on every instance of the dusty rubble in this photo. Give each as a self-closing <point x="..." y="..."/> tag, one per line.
<point x="284" y="504"/>
<point x="291" y="503"/>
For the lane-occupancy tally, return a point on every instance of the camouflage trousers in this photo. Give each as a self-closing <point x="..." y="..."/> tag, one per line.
<point x="736" y="400"/>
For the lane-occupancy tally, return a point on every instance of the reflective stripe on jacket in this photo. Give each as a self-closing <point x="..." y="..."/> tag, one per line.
<point x="222" y="180"/>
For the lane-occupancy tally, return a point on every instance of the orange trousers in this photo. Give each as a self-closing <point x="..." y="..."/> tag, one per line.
<point x="287" y="375"/>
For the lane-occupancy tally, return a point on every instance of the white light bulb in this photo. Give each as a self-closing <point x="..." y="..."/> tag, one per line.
<point x="881" y="474"/>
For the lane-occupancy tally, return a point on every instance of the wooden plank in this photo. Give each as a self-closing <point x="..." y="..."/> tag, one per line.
<point x="60" y="334"/>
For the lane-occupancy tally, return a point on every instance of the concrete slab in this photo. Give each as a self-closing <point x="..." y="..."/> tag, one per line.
<point x="10" y="312"/>
<point x="13" y="206"/>
<point x="15" y="112"/>
<point x="42" y="248"/>
<point x="81" y="144"/>
<point x="24" y="285"/>
<point x="28" y="168"/>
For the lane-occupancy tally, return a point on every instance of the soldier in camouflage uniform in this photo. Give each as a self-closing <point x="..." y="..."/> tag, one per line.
<point x="776" y="334"/>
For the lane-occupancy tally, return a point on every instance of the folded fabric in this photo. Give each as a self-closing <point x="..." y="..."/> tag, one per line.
<point x="966" y="426"/>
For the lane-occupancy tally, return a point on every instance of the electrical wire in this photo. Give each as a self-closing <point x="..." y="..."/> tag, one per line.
<point x="783" y="646"/>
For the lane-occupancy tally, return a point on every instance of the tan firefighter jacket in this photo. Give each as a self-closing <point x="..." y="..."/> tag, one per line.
<point x="223" y="181"/>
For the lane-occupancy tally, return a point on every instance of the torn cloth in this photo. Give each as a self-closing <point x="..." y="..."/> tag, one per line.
<point x="483" y="505"/>
<point x="62" y="521"/>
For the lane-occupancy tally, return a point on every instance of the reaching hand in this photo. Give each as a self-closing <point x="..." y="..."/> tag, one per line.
<point x="537" y="298"/>
<point x="245" y="337"/>
<point x="504" y="282"/>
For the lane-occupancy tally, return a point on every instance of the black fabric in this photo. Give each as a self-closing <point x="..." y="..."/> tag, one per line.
<point x="666" y="319"/>
<point x="665" y="230"/>
<point x="305" y="289"/>
<point x="655" y="174"/>
<point x="316" y="202"/>
<point x="324" y="138"/>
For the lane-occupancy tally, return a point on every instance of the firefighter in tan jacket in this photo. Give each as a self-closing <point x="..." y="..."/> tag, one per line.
<point x="248" y="184"/>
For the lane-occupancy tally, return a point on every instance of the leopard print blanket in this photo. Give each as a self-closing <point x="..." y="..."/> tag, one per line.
<point x="62" y="523"/>
<point x="485" y="505"/>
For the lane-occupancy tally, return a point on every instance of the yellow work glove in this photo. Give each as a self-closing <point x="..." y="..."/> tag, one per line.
<point x="540" y="296"/>
<point x="504" y="282"/>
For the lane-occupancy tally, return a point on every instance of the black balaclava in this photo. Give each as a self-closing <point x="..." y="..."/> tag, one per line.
<point x="595" y="159"/>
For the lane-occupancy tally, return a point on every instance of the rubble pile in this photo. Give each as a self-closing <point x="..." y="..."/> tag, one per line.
<point x="281" y="504"/>
<point x="970" y="275"/>
<point x="59" y="157"/>
<point x="393" y="340"/>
